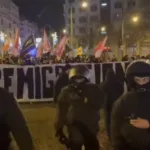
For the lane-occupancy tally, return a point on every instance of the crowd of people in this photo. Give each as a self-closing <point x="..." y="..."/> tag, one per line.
<point x="52" y="59"/>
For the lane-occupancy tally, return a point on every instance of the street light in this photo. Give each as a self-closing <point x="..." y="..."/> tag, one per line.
<point x="103" y="29"/>
<point x="64" y="31"/>
<point x="135" y="19"/>
<point x="84" y="4"/>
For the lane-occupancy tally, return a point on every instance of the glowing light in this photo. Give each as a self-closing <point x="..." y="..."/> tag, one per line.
<point x="104" y="4"/>
<point x="2" y="37"/>
<point x="103" y="29"/>
<point x="11" y="45"/>
<point x="64" y="31"/>
<point x="135" y="19"/>
<point x="33" y="52"/>
<point x="84" y="4"/>
<point x="55" y="38"/>
<point x="38" y="41"/>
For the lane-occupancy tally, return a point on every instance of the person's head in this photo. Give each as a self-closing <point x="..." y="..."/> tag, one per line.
<point x="79" y="75"/>
<point x="138" y="75"/>
<point x="67" y="67"/>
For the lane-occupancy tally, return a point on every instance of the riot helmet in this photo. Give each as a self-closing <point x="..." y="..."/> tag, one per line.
<point x="79" y="74"/>
<point x="138" y="75"/>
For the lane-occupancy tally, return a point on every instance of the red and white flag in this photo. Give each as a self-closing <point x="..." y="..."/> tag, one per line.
<point x="46" y="43"/>
<point x="61" y="46"/>
<point x="100" y="48"/>
<point x="16" y="43"/>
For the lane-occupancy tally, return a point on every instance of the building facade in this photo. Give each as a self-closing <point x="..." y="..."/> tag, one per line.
<point x="9" y="18"/>
<point x="136" y="33"/>
<point x="27" y="28"/>
<point x="84" y="19"/>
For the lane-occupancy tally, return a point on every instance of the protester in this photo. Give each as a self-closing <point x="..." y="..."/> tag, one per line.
<point x="113" y="89"/>
<point x="61" y="82"/>
<point x="130" y="115"/>
<point x="12" y="120"/>
<point x="48" y="58"/>
<point x="79" y="109"/>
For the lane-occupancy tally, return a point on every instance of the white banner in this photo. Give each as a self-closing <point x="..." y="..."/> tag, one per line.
<point x="36" y="83"/>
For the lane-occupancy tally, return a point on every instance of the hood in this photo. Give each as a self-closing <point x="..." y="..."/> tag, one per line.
<point x="137" y="68"/>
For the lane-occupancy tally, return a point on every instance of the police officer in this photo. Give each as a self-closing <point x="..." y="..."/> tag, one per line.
<point x="61" y="81"/>
<point x="130" y="127"/>
<point x="12" y="120"/>
<point x="79" y="109"/>
<point x="112" y="93"/>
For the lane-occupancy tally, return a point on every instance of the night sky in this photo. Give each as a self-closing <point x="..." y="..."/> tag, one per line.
<point x="43" y="12"/>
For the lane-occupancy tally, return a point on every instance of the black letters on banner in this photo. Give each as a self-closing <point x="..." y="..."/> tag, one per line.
<point x="97" y="68"/>
<point x="105" y="67"/>
<point x="57" y="70"/>
<point x="120" y="72"/>
<point x="22" y="79"/>
<point x="37" y="83"/>
<point x="7" y="73"/>
<point x="47" y="91"/>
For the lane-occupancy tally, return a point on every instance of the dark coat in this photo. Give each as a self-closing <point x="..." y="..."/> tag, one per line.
<point x="85" y="106"/>
<point x="60" y="83"/>
<point x="123" y="135"/>
<point x="12" y="120"/>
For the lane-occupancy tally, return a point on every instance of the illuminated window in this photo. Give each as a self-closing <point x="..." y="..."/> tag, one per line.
<point x="103" y="4"/>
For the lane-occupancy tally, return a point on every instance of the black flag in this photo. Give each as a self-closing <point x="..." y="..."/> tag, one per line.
<point x="28" y="46"/>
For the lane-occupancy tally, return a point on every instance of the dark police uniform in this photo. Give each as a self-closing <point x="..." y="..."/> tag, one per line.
<point x="12" y="120"/>
<point x="79" y="109"/>
<point x="132" y="105"/>
<point x="61" y="82"/>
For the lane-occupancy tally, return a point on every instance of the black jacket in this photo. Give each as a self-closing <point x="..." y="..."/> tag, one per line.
<point x="60" y="83"/>
<point x="113" y="89"/>
<point x="124" y="136"/>
<point x="82" y="105"/>
<point x="12" y="120"/>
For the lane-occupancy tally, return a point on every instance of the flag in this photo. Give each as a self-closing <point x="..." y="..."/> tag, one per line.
<point x="6" y="45"/>
<point x="79" y="51"/>
<point x="100" y="48"/>
<point x="15" y="48"/>
<point x="16" y="44"/>
<point x="46" y="43"/>
<point x="60" y="47"/>
<point x="28" y="46"/>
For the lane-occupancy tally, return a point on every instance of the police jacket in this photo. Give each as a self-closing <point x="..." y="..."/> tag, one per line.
<point x="125" y="136"/>
<point x="82" y="105"/>
<point x="12" y="120"/>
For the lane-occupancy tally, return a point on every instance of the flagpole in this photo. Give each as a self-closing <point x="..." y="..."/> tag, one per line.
<point x="71" y="27"/>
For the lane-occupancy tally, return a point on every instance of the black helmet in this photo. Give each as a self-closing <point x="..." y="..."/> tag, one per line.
<point x="79" y="71"/>
<point x="139" y="69"/>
